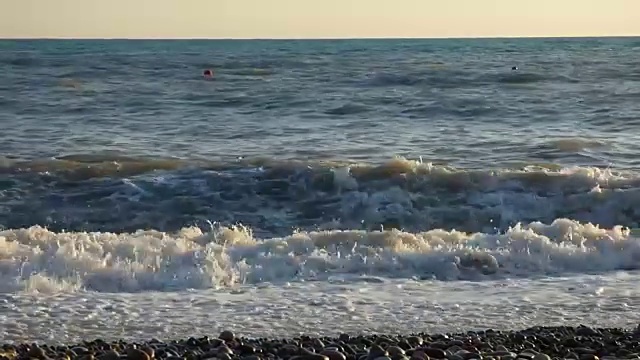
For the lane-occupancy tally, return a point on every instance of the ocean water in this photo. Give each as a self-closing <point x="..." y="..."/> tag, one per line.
<point x="317" y="186"/>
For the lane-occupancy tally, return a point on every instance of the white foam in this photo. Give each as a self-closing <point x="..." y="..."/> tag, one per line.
<point x="36" y="259"/>
<point x="342" y="178"/>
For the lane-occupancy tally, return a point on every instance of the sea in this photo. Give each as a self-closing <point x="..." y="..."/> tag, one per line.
<point x="317" y="186"/>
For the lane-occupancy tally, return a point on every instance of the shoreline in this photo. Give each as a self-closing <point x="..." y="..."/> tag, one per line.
<point x="536" y="343"/>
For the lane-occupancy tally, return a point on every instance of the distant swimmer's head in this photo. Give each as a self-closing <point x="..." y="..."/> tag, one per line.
<point x="208" y="73"/>
<point x="514" y="68"/>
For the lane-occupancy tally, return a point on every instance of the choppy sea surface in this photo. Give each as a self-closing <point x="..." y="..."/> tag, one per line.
<point x="317" y="186"/>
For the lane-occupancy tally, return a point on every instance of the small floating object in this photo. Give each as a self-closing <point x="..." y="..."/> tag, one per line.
<point x="514" y="68"/>
<point x="208" y="73"/>
<point x="70" y="83"/>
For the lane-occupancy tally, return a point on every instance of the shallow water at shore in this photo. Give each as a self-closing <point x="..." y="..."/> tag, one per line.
<point x="357" y="305"/>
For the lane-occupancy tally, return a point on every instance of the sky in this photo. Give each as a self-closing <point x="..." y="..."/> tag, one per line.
<point x="316" y="18"/>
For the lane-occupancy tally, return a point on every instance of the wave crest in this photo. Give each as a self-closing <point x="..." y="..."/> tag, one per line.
<point x="37" y="259"/>
<point x="272" y="197"/>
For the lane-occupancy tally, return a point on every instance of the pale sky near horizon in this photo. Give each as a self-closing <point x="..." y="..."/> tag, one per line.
<point x="315" y="18"/>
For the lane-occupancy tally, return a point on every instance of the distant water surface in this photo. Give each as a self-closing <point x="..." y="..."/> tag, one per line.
<point x="572" y="101"/>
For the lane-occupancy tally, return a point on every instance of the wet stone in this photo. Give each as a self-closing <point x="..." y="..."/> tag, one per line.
<point x="137" y="354"/>
<point x="226" y="335"/>
<point x="434" y="353"/>
<point x="333" y="354"/>
<point x="539" y="343"/>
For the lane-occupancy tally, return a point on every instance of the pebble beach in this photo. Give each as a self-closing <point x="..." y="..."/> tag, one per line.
<point x="538" y="343"/>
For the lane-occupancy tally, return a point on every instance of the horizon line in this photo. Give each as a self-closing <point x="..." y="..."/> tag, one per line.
<point x="332" y="38"/>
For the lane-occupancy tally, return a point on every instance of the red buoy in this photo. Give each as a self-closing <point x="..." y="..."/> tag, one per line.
<point x="208" y="73"/>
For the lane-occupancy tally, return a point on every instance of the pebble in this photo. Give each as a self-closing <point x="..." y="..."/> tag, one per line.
<point x="137" y="354"/>
<point x="541" y="357"/>
<point x="226" y="335"/>
<point x="538" y="343"/>
<point x="334" y="354"/>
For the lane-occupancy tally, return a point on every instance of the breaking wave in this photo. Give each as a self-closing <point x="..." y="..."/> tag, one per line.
<point x="122" y="224"/>
<point x="36" y="259"/>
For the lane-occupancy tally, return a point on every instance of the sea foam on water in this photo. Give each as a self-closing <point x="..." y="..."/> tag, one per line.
<point x="231" y="256"/>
